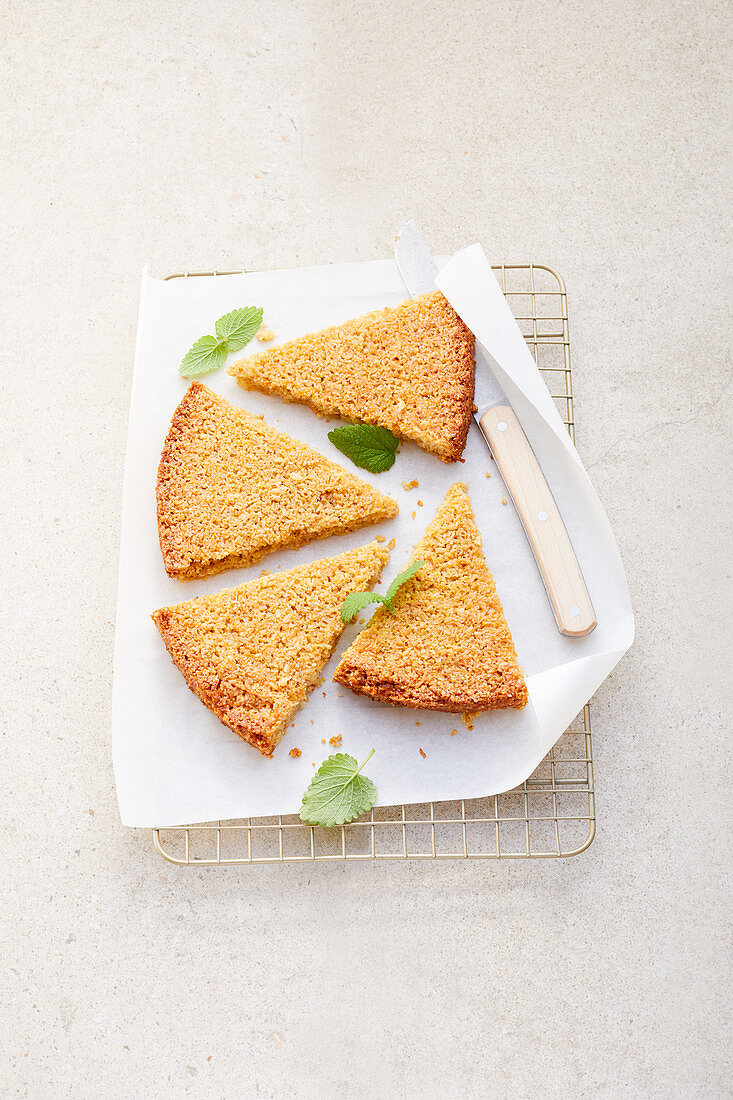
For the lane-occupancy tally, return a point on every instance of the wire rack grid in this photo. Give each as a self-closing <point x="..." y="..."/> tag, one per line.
<point x="551" y="815"/>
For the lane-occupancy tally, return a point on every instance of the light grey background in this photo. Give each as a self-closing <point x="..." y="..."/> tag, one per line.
<point x="589" y="136"/>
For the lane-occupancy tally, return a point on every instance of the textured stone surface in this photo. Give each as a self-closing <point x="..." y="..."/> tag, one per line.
<point x="223" y="134"/>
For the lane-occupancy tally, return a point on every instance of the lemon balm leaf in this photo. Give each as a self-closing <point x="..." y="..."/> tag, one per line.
<point x="338" y="793"/>
<point x="357" y="601"/>
<point x="402" y="578"/>
<point x="233" y="331"/>
<point x="238" y="327"/>
<point x="367" y="445"/>
<point x="206" y="355"/>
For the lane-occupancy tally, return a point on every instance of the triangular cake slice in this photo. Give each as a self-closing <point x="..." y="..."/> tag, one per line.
<point x="410" y="369"/>
<point x="448" y="646"/>
<point x="250" y="653"/>
<point x="231" y="489"/>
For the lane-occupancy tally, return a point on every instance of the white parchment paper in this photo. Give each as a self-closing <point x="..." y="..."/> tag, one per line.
<point x="175" y="763"/>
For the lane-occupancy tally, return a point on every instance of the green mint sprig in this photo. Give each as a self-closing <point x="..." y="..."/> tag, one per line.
<point x="367" y="445"/>
<point x="337" y="792"/>
<point x="357" y="601"/>
<point x="233" y="331"/>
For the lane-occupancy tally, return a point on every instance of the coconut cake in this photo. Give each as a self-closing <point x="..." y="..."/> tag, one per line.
<point x="409" y="369"/>
<point x="231" y="489"/>
<point x="251" y="653"/>
<point x="448" y="646"/>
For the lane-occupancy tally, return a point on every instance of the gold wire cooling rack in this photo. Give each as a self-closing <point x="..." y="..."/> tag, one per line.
<point x="551" y="814"/>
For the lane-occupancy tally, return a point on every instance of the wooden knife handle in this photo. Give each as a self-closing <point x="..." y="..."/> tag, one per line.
<point x="542" y="521"/>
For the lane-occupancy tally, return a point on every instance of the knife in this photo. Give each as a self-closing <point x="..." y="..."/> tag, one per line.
<point x="518" y="466"/>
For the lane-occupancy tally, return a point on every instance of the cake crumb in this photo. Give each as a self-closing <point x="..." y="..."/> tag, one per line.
<point x="488" y="474"/>
<point x="419" y="504"/>
<point x="313" y="763"/>
<point x="467" y="720"/>
<point x="453" y="733"/>
<point x="391" y="544"/>
<point x="265" y="334"/>
<point x="414" y="514"/>
<point x="264" y="572"/>
<point x="417" y="723"/>
<point x="323" y="740"/>
<point x="407" y="485"/>
<point x="335" y="740"/>
<point x="295" y="752"/>
<point x="503" y="500"/>
<point x="382" y="538"/>
<point x="423" y="754"/>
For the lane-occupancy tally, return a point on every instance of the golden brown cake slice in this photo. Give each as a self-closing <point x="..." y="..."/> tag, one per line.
<point x="251" y="653"/>
<point x="448" y="646"/>
<point x="409" y="369"/>
<point x="231" y="489"/>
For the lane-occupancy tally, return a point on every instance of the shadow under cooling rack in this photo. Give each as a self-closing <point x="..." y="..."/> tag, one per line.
<point x="551" y="815"/>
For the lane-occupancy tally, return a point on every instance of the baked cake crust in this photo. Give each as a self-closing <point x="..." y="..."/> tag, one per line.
<point x="231" y="489"/>
<point x="251" y="653"/>
<point x="449" y="646"/>
<point x="409" y="368"/>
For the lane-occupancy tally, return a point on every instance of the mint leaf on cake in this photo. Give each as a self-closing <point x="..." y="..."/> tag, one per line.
<point x="402" y="578"/>
<point x="357" y="601"/>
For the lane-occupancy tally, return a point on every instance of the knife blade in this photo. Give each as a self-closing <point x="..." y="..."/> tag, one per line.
<point x="526" y="484"/>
